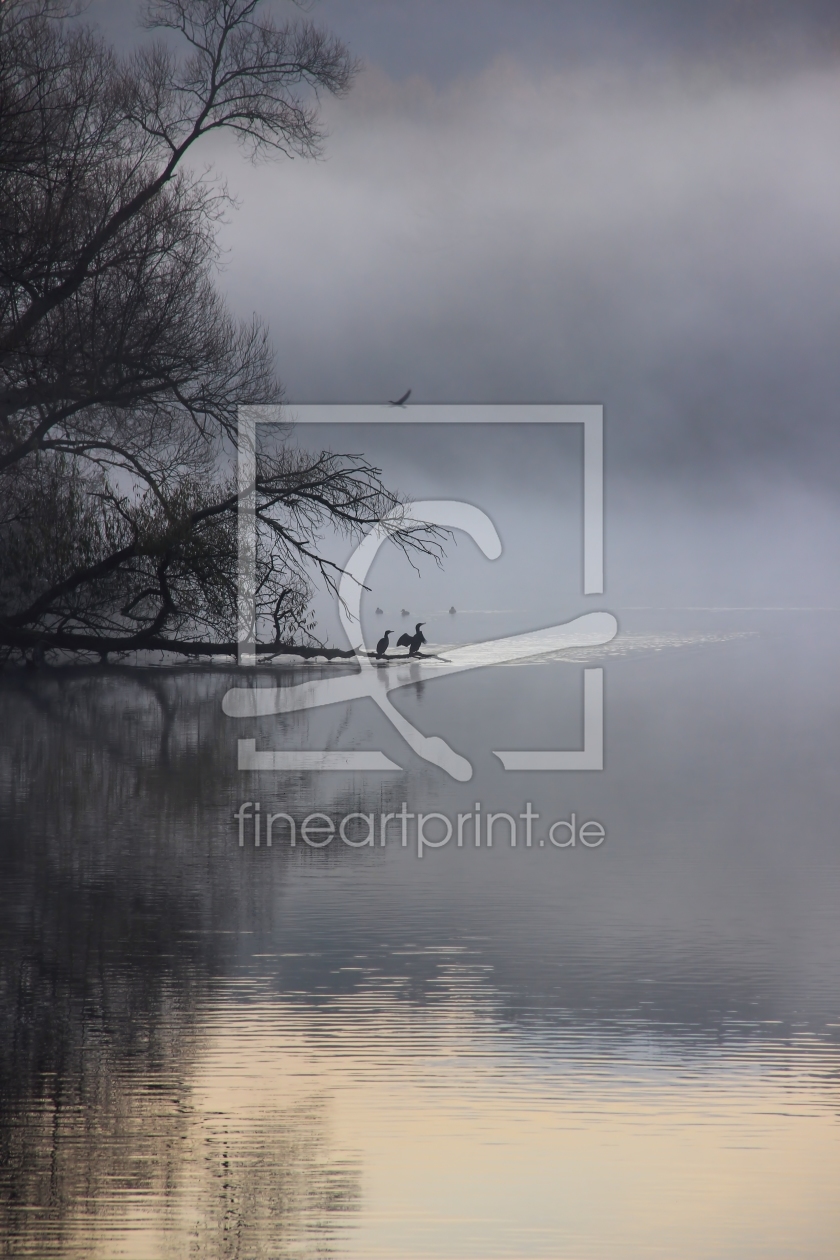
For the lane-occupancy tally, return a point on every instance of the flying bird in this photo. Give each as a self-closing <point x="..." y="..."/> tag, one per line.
<point x="413" y="641"/>
<point x="400" y="402"/>
<point x="382" y="645"/>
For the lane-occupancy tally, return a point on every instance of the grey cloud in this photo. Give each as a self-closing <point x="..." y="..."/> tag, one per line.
<point x="663" y="244"/>
<point x="507" y="213"/>
<point x="446" y="38"/>
<point x="443" y="39"/>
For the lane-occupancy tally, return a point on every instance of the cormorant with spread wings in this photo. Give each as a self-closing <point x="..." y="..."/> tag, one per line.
<point x="413" y="641"/>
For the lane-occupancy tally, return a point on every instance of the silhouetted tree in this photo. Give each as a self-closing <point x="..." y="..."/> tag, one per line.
<point x="120" y="368"/>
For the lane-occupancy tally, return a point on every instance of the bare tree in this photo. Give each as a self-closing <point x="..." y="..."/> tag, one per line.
<point x="120" y="368"/>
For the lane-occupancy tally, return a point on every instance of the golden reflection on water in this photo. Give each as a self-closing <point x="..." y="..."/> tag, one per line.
<point x="249" y="1054"/>
<point x="370" y="1127"/>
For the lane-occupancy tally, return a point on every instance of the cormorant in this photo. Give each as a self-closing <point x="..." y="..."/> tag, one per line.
<point x="453" y="609"/>
<point x="413" y="641"/>
<point x="400" y="402"/>
<point x="382" y="645"/>
<point x="405" y="612"/>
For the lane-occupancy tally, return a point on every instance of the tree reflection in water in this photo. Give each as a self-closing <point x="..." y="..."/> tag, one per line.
<point x="216" y="1051"/>
<point x="122" y="906"/>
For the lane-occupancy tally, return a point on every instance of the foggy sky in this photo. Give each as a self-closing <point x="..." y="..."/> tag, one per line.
<point x="657" y="233"/>
<point x="635" y="204"/>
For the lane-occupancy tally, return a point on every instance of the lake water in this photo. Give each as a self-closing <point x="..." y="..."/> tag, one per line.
<point x="631" y="1049"/>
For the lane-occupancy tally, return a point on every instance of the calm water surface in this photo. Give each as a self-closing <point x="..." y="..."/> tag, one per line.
<point x="631" y="1050"/>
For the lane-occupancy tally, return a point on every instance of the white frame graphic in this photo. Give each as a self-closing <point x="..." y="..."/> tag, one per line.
<point x="591" y="629"/>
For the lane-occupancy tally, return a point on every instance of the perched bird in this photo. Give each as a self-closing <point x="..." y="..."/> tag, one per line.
<point x="405" y="612"/>
<point x="400" y="402"/>
<point x="382" y="645"/>
<point x="453" y="609"/>
<point x="379" y="612"/>
<point x="413" y="641"/>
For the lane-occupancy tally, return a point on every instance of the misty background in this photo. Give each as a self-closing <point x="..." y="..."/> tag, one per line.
<point x="631" y="204"/>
